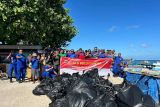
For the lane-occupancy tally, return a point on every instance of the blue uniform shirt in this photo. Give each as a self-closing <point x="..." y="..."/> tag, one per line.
<point x="68" y="55"/>
<point x="13" y="59"/>
<point x="102" y="55"/>
<point x="118" y="60"/>
<point x="50" y="71"/>
<point x="95" y="54"/>
<point x="21" y="62"/>
<point x="35" y="63"/>
<point x="72" y="56"/>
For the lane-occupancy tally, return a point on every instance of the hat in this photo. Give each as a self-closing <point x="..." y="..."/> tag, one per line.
<point x="34" y="54"/>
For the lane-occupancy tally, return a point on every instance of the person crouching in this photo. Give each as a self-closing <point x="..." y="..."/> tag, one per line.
<point x="35" y="67"/>
<point x="49" y="71"/>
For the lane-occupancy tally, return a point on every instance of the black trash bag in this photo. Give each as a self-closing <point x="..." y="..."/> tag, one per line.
<point x="76" y="99"/>
<point x="66" y="75"/>
<point x="66" y="81"/>
<point x="44" y="87"/>
<point x="103" y="86"/>
<point x="60" y="87"/>
<point x="38" y="91"/>
<point x="129" y="96"/>
<point x="149" y="102"/>
<point x="83" y="86"/>
<point x="118" y="87"/>
<point x="76" y="75"/>
<point x="59" y="103"/>
<point x="91" y="90"/>
<point x="105" y="82"/>
<point x="105" y="100"/>
<point x="91" y="73"/>
<point x="104" y="89"/>
<point x="57" y="91"/>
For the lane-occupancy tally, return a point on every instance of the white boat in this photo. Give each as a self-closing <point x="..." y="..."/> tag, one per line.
<point x="157" y="66"/>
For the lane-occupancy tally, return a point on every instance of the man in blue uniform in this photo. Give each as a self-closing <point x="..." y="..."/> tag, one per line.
<point x="12" y="66"/>
<point x="21" y="66"/>
<point x="117" y="64"/>
<point x="72" y="54"/>
<point x="35" y="67"/>
<point x="102" y="54"/>
<point x="49" y="71"/>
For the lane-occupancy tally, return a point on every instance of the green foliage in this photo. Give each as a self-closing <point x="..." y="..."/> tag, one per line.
<point x="44" y="22"/>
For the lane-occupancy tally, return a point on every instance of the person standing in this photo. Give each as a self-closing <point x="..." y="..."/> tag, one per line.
<point x="95" y="53"/>
<point x="35" y="67"/>
<point x="102" y="54"/>
<point x="12" y="65"/>
<point x="21" y="66"/>
<point x="81" y="54"/>
<point x="117" y="64"/>
<point x="62" y="53"/>
<point x="56" y="61"/>
<point x="109" y="54"/>
<point x="72" y="54"/>
<point x="88" y="54"/>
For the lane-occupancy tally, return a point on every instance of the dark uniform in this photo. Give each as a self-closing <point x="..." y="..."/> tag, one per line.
<point x="12" y="67"/>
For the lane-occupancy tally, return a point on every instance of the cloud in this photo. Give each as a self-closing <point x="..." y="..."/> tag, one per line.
<point x="144" y="45"/>
<point x="131" y="46"/>
<point x="133" y="27"/>
<point x="113" y="28"/>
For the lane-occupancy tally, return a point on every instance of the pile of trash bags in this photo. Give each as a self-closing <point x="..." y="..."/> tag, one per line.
<point x="91" y="90"/>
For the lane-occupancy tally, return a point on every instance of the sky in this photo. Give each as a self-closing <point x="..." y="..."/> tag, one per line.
<point x="131" y="27"/>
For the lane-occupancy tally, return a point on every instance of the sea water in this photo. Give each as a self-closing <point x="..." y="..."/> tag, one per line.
<point x="137" y="62"/>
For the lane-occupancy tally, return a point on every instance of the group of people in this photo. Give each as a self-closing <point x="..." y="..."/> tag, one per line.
<point x="19" y="63"/>
<point x="48" y="64"/>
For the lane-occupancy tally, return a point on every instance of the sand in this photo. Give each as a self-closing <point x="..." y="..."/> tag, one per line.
<point x="20" y="95"/>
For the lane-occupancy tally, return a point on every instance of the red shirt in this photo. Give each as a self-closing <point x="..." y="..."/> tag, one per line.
<point x="81" y="55"/>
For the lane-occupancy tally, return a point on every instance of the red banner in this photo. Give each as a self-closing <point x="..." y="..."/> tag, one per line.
<point x="85" y="64"/>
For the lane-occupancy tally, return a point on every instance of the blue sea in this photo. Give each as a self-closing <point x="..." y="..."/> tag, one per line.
<point x="136" y="62"/>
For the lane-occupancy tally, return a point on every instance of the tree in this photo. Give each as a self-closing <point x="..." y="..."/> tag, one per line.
<point x="36" y="22"/>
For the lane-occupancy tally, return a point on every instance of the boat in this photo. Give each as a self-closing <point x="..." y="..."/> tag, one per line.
<point x="156" y="66"/>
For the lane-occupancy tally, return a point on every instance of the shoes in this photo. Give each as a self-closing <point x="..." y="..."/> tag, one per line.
<point x="11" y="80"/>
<point x="23" y="80"/>
<point x="19" y="81"/>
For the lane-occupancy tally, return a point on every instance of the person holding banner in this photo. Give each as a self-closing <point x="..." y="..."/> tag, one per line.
<point x="72" y="54"/>
<point x="102" y="54"/>
<point x="88" y="54"/>
<point x="95" y="53"/>
<point x="81" y="54"/>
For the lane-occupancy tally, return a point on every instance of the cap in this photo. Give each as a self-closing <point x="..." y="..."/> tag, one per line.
<point x="34" y="54"/>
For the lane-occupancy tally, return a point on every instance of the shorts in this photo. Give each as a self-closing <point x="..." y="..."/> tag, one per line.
<point x="35" y="72"/>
